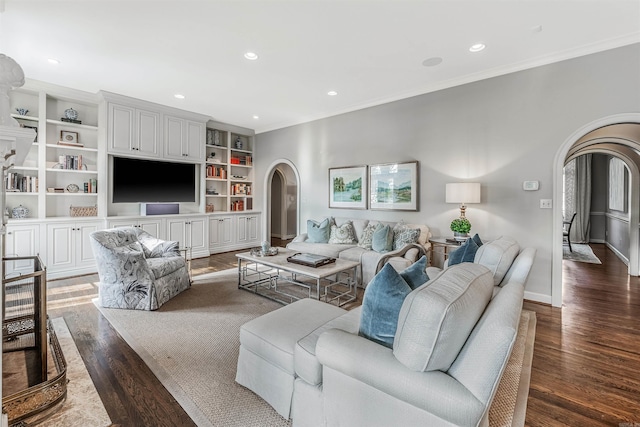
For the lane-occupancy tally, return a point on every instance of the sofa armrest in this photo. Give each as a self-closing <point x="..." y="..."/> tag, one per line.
<point x="375" y="365"/>
<point x="417" y="250"/>
<point x="300" y="238"/>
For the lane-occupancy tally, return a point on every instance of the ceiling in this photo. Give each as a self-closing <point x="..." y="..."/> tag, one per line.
<point x="369" y="52"/>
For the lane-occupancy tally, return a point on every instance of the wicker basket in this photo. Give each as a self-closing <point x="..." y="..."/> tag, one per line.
<point x="83" y="210"/>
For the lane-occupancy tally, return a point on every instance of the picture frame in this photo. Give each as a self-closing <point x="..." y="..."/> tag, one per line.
<point x="394" y="186"/>
<point x="68" y="137"/>
<point x="348" y="187"/>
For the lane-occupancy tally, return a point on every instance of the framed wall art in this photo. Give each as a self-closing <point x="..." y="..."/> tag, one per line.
<point x="394" y="186"/>
<point x="348" y="187"/>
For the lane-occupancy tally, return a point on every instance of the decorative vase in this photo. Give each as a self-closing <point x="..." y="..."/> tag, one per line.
<point x="265" y="247"/>
<point x="20" y="212"/>
<point x="71" y="114"/>
<point x="238" y="143"/>
<point x="460" y="236"/>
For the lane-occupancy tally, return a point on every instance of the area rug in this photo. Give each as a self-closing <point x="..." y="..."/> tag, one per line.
<point x="581" y="253"/>
<point x="191" y="344"/>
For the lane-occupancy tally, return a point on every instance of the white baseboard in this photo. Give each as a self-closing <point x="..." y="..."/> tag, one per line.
<point x="542" y="298"/>
<point x="618" y="253"/>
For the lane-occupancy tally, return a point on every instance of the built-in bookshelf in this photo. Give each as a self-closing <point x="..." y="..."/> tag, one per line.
<point x="229" y="171"/>
<point x="60" y="169"/>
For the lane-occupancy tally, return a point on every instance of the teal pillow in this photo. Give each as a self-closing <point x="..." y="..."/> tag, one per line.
<point x="382" y="239"/>
<point x="465" y="253"/>
<point x="415" y="275"/>
<point x="381" y="306"/>
<point x="318" y="232"/>
<point x="476" y="239"/>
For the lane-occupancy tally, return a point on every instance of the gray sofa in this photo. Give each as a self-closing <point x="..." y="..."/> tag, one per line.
<point x="453" y="340"/>
<point x="370" y="261"/>
<point x="137" y="270"/>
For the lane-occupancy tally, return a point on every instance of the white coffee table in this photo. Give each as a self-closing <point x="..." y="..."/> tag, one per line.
<point x="278" y="279"/>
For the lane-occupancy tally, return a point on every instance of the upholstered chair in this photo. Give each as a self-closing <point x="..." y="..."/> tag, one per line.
<point x="137" y="270"/>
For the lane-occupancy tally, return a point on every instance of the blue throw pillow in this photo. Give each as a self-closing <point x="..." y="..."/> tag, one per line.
<point x="381" y="306"/>
<point x="415" y="275"/>
<point x="382" y="239"/>
<point x="318" y="232"/>
<point x="476" y="239"/>
<point x="465" y="253"/>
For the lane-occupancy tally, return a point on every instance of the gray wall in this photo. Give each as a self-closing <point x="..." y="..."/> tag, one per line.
<point x="276" y="206"/>
<point x="617" y="228"/>
<point x="599" y="197"/>
<point x="500" y="132"/>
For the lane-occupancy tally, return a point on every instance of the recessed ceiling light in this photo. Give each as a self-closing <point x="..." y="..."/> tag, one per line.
<point x="256" y="117"/>
<point x="432" y="62"/>
<point x="477" y="47"/>
<point x="251" y="56"/>
<point x="53" y="61"/>
<point x="179" y="96"/>
<point x="332" y="93"/>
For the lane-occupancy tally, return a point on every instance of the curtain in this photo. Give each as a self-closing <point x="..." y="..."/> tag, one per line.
<point x="577" y="197"/>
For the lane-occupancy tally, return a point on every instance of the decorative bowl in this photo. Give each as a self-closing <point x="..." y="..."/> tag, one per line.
<point x="22" y="111"/>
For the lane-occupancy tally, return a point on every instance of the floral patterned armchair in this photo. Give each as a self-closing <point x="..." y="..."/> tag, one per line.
<point x="137" y="270"/>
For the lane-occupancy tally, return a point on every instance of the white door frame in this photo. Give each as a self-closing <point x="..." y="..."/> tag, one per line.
<point x="559" y="161"/>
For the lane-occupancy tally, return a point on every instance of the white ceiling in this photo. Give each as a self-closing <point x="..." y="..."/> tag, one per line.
<point x="370" y="52"/>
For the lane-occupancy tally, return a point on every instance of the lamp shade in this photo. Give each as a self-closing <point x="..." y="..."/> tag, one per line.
<point x="463" y="192"/>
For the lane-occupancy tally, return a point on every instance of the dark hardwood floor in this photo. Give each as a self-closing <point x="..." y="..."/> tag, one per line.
<point x="586" y="365"/>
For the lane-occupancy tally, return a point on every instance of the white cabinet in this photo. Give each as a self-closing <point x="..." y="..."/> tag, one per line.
<point x="69" y="249"/>
<point x="248" y="229"/>
<point x="191" y="233"/>
<point x="21" y="240"/>
<point x="221" y="234"/>
<point x="151" y="226"/>
<point x="233" y="232"/>
<point x="183" y="139"/>
<point x="133" y="131"/>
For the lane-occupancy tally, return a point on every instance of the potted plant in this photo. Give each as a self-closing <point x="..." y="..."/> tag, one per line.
<point x="460" y="227"/>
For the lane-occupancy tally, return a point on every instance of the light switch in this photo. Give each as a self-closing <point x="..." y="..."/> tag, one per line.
<point x="545" y="204"/>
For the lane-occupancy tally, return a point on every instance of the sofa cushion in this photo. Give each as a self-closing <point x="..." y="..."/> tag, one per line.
<point x="304" y="357"/>
<point x="366" y="240"/>
<point x="415" y="275"/>
<point x="464" y="253"/>
<point x="436" y="320"/>
<point x="381" y="304"/>
<point x="382" y="238"/>
<point x="343" y="234"/>
<point x="162" y="266"/>
<point x="497" y="256"/>
<point x="319" y="232"/>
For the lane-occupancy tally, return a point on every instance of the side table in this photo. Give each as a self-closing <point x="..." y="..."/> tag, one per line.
<point x="445" y="246"/>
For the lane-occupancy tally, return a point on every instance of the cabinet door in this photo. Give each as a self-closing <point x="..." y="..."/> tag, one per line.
<point x="243" y="229"/>
<point x="176" y="232"/>
<point x="174" y="137"/>
<point x="120" y="129"/>
<point x="152" y="227"/>
<point x="123" y="223"/>
<point x="253" y="229"/>
<point x="21" y="241"/>
<point x="220" y="232"/>
<point x="194" y="142"/>
<point x="148" y="133"/>
<point x="83" y="253"/>
<point x="60" y="246"/>
<point x="197" y="228"/>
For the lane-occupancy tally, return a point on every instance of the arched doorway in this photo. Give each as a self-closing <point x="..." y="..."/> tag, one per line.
<point x="618" y="136"/>
<point x="282" y="200"/>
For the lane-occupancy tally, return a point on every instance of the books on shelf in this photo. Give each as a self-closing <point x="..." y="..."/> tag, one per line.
<point x="240" y="189"/>
<point x="73" y="162"/>
<point x="71" y="144"/>
<point x="241" y="160"/>
<point x="216" y="172"/>
<point x="91" y="186"/>
<point x="237" y="205"/>
<point x="16" y="182"/>
<point x="55" y="190"/>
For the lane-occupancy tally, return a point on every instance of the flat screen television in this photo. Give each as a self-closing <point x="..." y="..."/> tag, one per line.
<point x="152" y="181"/>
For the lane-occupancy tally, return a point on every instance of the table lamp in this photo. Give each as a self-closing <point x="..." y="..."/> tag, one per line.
<point x="462" y="193"/>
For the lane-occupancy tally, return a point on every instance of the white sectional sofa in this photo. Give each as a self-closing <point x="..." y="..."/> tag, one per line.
<point x="370" y="260"/>
<point x="453" y="340"/>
